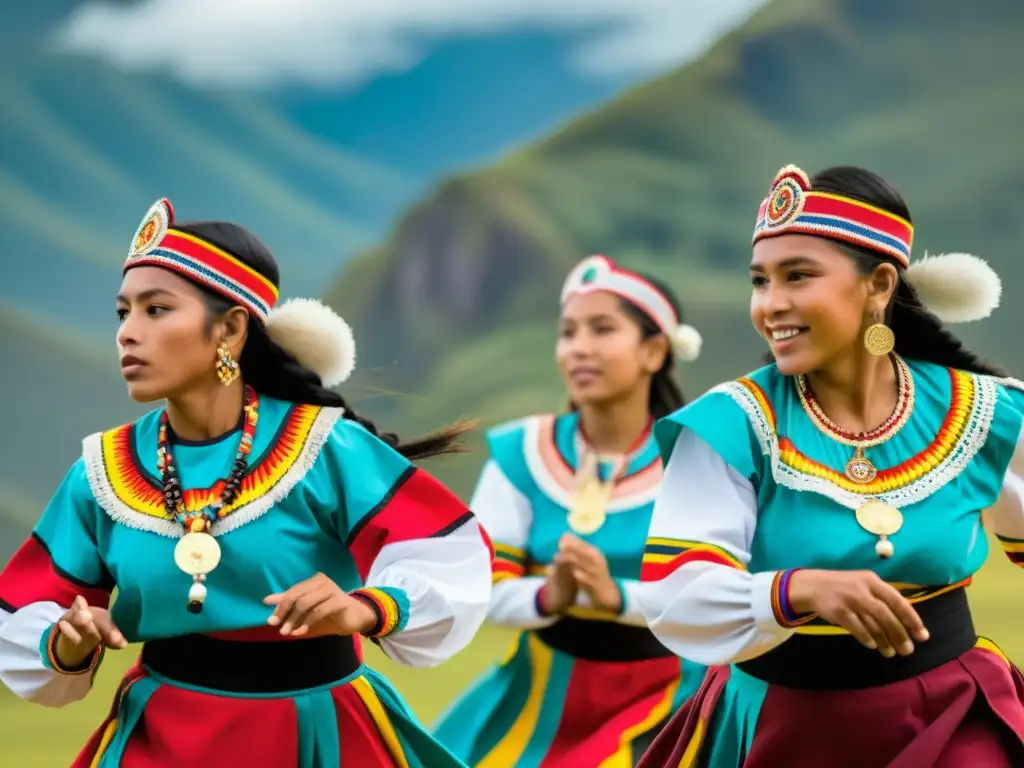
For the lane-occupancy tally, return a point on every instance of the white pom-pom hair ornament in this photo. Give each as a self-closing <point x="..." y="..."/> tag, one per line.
<point x="956" y="287"/>
<point x="315" y="336"/>
<point x="686" y="342"/>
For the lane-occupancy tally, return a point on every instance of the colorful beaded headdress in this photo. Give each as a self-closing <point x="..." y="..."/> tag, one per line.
<point x="956" y="287"/>
<point x="158" y="244"/>
<point x="793" y="207"/>
<point x="599" y="273"/>
<point x="320" y="340"/>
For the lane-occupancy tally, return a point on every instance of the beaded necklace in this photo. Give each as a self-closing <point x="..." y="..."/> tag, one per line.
<point x="860" y="469"/>
<point x="873" y="515"/>
<point x="197" y="552"/>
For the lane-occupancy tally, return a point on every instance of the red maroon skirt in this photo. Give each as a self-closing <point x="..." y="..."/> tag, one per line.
<point x="966" y="713"/>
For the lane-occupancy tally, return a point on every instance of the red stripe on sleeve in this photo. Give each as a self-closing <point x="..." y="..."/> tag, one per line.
<point x="417" y="507"/>
<point x="32" y="577"/>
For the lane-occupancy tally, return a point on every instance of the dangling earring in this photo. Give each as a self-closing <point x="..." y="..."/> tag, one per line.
<point x="227" y="366"/>
<point x="878" y="338"/>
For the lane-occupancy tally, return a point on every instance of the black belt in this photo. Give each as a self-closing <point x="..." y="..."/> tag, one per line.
<point x="602" y="640"/>
<point x="840" y="662"/>
<point x="242" y="666"/>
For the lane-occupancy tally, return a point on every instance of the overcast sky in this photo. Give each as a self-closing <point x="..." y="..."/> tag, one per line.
<point x="261" y="43"/>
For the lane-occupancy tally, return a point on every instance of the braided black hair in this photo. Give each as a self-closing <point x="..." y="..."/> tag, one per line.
<point x="920" y="335"/>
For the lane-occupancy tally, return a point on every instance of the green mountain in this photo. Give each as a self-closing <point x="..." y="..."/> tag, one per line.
<point x="457" y="308"/>
<point x="455" y="312"/>
<point x="87" y="148"/>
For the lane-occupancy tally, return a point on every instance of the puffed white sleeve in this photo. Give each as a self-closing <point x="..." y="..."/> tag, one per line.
<point x="698" y="597"/>
<point x="424" y="558"/>
<point x="506" y="515"/>
<point x="58" y="562"/>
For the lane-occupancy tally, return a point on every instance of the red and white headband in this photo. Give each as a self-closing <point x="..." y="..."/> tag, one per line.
<point x="599" y="273"/>
<point x="956" y="287"/>
<point x="314" y="335"/>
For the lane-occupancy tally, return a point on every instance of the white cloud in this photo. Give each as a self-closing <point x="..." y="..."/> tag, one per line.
<point x="257" y="43"/>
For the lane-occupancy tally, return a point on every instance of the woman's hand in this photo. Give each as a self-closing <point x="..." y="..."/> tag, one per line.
<point x="559" y="590"/>
<point x="320" y="605"/>
<point x="874" y="612"/>
<point x="590" y="570"/>
<point x="82" y="629"/>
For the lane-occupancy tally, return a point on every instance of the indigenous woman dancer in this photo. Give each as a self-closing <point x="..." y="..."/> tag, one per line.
<point x="567" y="500"/>
<point x="825" y="512"/>
<point x="246" y="590"/>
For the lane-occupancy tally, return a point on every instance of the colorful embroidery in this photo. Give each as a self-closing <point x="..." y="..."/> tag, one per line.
<point x="138" y="490"/>
<point x="783" y="611"/>
<point x="132" y="496"/>
<point x="556" y="478"/>
<point x="664" y="556"/>
<point x="509" y="563"/>
<point x="385" y="606"/>
<point x="962" y="433"/>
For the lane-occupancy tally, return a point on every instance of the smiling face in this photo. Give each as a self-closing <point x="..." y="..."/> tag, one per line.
<point x="165" y="342"/>
<point x="811" y="301"/>
<point x="601" y="353"/>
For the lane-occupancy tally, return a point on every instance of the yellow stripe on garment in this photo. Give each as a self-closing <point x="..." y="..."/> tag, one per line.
<point x="623" y="758"/>
<point x="692" y="753"/>
<point x="507" y="751"/>
<point x="987" y="645"/>
<point x="108" y="735"/>
<point x="381" y="720"/>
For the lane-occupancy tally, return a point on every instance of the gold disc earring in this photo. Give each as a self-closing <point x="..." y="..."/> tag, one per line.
<point x="879" y="339"/>
<point x="227" y="366"/>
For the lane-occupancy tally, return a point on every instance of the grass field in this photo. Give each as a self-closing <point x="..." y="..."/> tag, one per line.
<point x="43" y="738"/>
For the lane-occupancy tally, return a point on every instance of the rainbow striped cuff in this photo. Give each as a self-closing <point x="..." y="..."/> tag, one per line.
<point x="509" y="563"/>
<point x="664" y="556"/>
<point x="781" y="608"/>
<point x="390" y="605"/>
<point x="48" y="653"/>
<point x="1014" y="549"/>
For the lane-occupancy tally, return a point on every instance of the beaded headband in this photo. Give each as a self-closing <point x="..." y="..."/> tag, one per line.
<point x="599" y="273"/>
<point x="158" y="244"/>
<point x="792" y="207"/>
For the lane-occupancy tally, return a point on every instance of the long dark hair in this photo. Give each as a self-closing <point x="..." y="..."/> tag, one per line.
<point x="274" y="372"/>
<point x="920" y="335"/>
<point x="666" y="396"/>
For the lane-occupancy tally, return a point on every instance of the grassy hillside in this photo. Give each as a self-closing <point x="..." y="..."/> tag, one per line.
<point x="669" y="177"/>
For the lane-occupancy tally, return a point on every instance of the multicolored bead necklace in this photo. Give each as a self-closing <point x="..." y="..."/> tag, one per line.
<point x="859" y="468"/>
<point x="197" y="552"/>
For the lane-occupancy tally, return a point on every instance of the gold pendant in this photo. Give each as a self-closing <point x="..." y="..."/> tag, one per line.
<point x="197" y="553"/>
<point x="879" y="518"/>
<point x="588" y="507"/>
<point x="590" y="499"/>
<point x="860" y="469"/>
